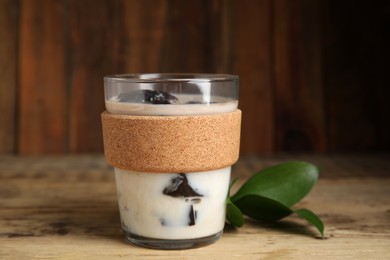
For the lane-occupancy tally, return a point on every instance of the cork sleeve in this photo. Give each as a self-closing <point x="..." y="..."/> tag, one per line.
<point x="169" y="144"/>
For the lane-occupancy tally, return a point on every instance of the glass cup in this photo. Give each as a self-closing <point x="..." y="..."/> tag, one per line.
<point x="184" y="206"/>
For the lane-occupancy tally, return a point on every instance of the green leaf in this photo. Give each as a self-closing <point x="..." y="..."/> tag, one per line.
<point x="265" y="209"/>
<point x="269" y="194"/>
<point x="311" y="218"/>
<point x="233" y="214"/>
<point x="262" y="208"/>
<point x="231" y="185"/>
<point x="285" y="183"/>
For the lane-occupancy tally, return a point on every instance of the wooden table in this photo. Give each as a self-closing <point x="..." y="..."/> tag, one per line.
<point x="65" y="208"/>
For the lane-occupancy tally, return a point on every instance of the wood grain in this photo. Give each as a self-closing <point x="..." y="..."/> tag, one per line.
<point x="71" y="212"/>
<point x="313" y="73"/>
<point x="43" y="95"/>
<point x="187" y="39"/>
<point x="8" y="74"/>
<point x="357" y="76"/>
<point x="94" y="53"/>
<point x="299" y="91"/>
<point x="143" y="25"/>
<point x="251" y="59"/>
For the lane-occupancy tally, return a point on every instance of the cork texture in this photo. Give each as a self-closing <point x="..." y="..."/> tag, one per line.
<point x="167" y="144"/>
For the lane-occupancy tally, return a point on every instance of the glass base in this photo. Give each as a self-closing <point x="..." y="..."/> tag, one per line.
<point x="171" y="244"/>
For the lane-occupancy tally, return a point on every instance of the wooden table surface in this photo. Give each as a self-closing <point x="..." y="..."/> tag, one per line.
<point x="65" y="208"/>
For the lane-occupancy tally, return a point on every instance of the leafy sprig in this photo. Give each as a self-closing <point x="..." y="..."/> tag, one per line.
<point x="270" y="193"/>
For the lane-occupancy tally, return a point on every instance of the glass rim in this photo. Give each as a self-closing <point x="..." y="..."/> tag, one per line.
<point x="169" y="77"/>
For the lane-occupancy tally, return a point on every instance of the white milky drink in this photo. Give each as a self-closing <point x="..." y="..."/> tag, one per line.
<point x="178" y="206"/>
<point x="156" y="215"/>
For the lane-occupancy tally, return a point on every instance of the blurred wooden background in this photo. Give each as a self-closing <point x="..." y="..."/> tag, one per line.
<point x="314" y="74"/>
